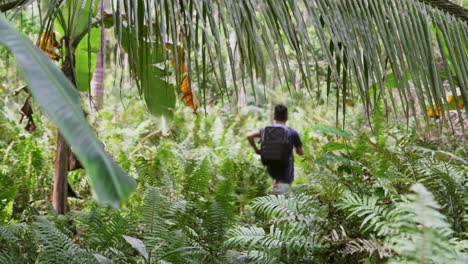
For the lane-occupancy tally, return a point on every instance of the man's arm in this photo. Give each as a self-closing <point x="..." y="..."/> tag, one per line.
<point x="297" y="143"/>
<point x="300" y="151"/>
<point x="251" y="138"/>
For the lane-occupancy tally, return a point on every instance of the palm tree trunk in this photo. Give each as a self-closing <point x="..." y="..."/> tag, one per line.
<point x="97" y="83"/>
<point x="60" y="193"/>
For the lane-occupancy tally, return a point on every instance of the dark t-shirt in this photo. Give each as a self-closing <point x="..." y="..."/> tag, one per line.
<point x="285" y="174"/>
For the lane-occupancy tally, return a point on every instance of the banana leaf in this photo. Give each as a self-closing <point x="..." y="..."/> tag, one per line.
<point x="60" y="100"/>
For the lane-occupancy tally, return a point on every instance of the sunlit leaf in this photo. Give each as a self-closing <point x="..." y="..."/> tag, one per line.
<point x="331" y="146"/>
<point x="86" y="56"/>
<point x="76" y="17"/>
<point x="332" y="159"/>
<point x="158" y="94"/>
<point x="332" y="131"/>
<point x="138" y="245"/>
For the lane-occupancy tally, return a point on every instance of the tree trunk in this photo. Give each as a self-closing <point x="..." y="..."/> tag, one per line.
<point x="97" y="83"/>
<point x="60" y="193"/>
<point x="59" y="199"/>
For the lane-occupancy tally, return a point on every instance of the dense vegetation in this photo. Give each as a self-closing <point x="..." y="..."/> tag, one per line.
<point x="380" y="181"/>
<point x="203" y="196"/>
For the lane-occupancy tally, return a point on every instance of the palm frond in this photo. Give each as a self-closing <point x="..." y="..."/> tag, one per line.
<point x="399" y="38"/>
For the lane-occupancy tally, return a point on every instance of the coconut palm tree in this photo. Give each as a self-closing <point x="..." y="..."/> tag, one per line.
<point x="404" y="57"/>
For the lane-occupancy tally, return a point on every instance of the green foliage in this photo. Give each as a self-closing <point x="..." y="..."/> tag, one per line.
<point x="291" y="235"/>
<point x="57" y="247"/>
<point x="412" y="230"/>
<point x="103" y="228"/>
<point x="201" y="185"/>
<point x="54" y="92"/>
<point x="86" y="55"/>
<point x="377" y="216"/>
<point x="424" y="232"/>
<point x="358" y="195"/>
<point x="22" y="169"/>
<point x="332" y="131"/>
<point x="14" y="246"/>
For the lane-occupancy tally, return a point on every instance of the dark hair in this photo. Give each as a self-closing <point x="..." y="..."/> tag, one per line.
<point x="281" y="113"/>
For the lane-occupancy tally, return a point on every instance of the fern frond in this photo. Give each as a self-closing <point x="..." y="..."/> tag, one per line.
<point x="154" y="208"/>
<point x="225" y="196"/>
<point x="56" y="247"/>
<point x="215" y="220"/>
<point x="275" y="206"/>
<point x="422" y="210"/>
<point x="197" y="180"/>
<point x="447" y="182"/>
<point x="245" y="237"/>
<point x="376" y="217"/>
<point x="11" y="243"/>
<point x="369" y="246"/>
<point x="12" y="233"/>
<point x="425" y="232"/>
<point x="103" y="227"/>
<point x="262" y="257"/>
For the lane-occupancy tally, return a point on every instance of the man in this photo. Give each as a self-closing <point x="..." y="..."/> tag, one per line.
<point x="282" y="174"/>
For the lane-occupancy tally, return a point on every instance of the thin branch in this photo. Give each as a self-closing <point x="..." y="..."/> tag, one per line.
<point x="449" y="7"/>
<point x="10" y="5"/>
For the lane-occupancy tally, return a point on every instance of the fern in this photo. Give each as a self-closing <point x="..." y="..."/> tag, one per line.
<point x="245" y="237"/>
<point x="291" y="237"/>
<point x="103" y="228"/>
<point x="413" y="228"/>
<point x="156" y="225"/>
<point x="370" y="246"/>
<point x="22" y="165"/>
<point x="14" y="246"/>
<point x="56" y="247"/>
<point x="446" y="181"/>
<point x="425" y="233"/>
<point x="164" y="225"/>
<point x="165" y="168"/>
<point x="376" y="217"/>
<point x="275" y="206"/>
<point x="197" y="180"/>
<point x="154" y="208"/>
<point x="224" y="192"/>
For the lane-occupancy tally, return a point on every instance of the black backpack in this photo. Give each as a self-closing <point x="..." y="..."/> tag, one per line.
<point x="275" y="145"/>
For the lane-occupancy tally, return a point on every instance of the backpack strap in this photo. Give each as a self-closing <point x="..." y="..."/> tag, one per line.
<point x="262" y="134"/>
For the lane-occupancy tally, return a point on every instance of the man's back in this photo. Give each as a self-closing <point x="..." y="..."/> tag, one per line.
<point x="282" y="173"/>
<point x="285" y="172"/>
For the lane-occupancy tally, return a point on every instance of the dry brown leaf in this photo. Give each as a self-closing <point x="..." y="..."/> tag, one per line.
<point x="49" y="44"/>
<point x="187" y="93"/>
<point x="26" y="111"/>
<point x="185" y="86"/>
